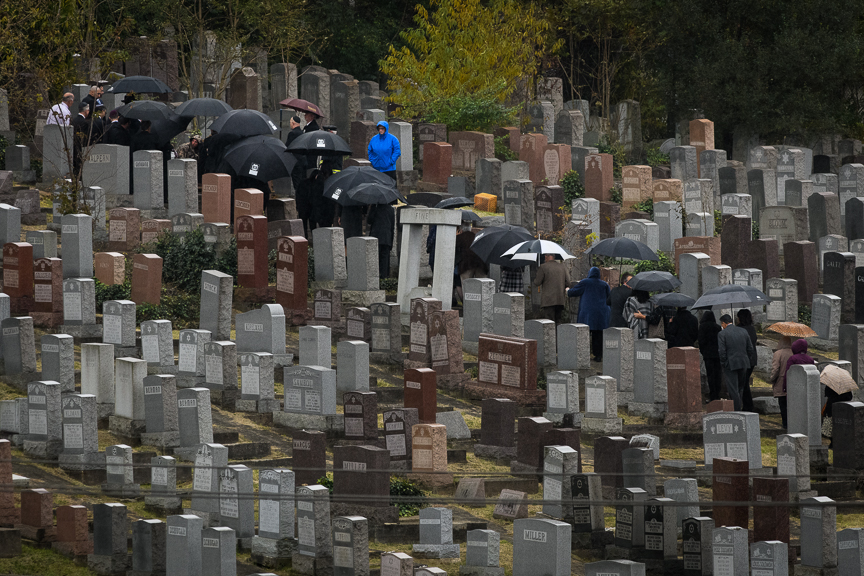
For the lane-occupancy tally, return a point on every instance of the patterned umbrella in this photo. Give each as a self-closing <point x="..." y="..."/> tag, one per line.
<point x="837" y="379"/>
<point x="792" y="329"/>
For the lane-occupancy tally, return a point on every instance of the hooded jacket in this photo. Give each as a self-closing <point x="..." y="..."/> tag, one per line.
<point x="778" y="367"/>
<point x="383" y="150"/>
<point x="799" y="356"/>
<point x="593" y="309"/>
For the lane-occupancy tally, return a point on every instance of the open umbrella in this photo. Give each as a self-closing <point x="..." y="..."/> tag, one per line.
<point x="366" y="195"/>
<point x="837" y="379"/>
<point x="244" y="123"/>
<point x="532" y="249"/>
<point x="302" y="106"/>
<point x="792" y="329"/>
<point x="260" y="157"/>
<point x="490" y="244"/>
<point x="168" y="128"/>
<point x="145" y="110"/>
<point x="622" y="248"/>
<point x="469" y="216"/>
<point x="203" y="107"/>
<point x="140" y="84"/>
<point x="654" y="281"/>
<point x="732" y="295"/>
<point x="455" y="202"/>
<point x="320" y="143"/>
<point x="674" y="300"/>
<point x="354" y="176"/>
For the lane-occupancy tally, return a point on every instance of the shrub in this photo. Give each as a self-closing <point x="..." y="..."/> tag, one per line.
<point x="573" y="187"/>
<point x="407" y="496"/>
<point x="664" y="263"/>
<point x="184" y="259"/>
<point x="646" y="205"/>
<point x="654" y="157"/>
<point x="503" y="151"/>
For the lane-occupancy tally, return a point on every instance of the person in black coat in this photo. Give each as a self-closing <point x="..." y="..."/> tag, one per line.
<point x="709" y="348"/>
<point x="145" y="139"/>
<point x="81" y="139"/>
<point x="682" y="329"/>
<point x="118" y="133"/>
<point x="297" y="173"/>
<point x="745" y="320"/>
<point x="616" y="300"/>
<point x="382" y="222"/>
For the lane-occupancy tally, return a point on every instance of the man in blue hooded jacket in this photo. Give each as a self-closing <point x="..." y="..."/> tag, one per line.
<point x="384" y="150"/>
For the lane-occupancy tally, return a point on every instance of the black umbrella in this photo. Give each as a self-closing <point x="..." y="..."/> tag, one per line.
<point x="140" y="84"/>
<point x="203" y="107"/>
<point x="367" y="194"/>
<point x="469" y="216"/>
<point x="320" y="143"/>
<point x="491" y="243"/>
<point x="622" y="248"/>
<point x="654" y="281"/>
<point x="455" y="202"/>
<point x="674" y="299"/>
<point x="244" y="123"/>
<point x="145" y="110"/>
<point x="732" y="295"/>
<point x="259" y="157"/>
<point x="354" y="176"/>
<point x="168" y="128"/>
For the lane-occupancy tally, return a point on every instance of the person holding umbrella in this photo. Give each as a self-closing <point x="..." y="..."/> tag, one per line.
<point x="617" y="298"/>
<point x="593" y="309"/>
<point x="736" y="354"/>
<point x="682" y="329"/>
<point x="384" y="150"/>
<point x="552" y="276"/>
<point x="709" y="349"/>
<point x="382" y="220"/>
<point x="468" y="264"/>
<point x="778" y="374"/>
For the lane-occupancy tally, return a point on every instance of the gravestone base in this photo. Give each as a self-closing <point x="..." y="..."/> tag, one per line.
<point x="705" y="475"/>
<point x="653" y="410"/>
<point x="162" y="370"/>
<point x="37" y="534"/>
<point x="825" y="345"/>
<point x="593" y="539"/>
<point x="273" y="553"/>
<point x="254" y="295"/>
<point x="766" y="405"/>
<point x="104" y="411"/>
<point x="311" y="566"/>
<point x="477" y="390"/>
<point x="377" y="515"/>
<point x="685" y="420"/>
<point x="190" y="382"/>
<point x="653" y="565"/>
<point x="43" y="449"/>
<point x="625" y="398"/>
<point x="400" y="465"/>
<point x="495" y="452"/>
<point x="415" y="364"/>
<point x="517" y="468"/>
<point x="126" y="351"/>
<point x="108" y="565"/>
<point x="798" y="496"/>
<point x="161" y="439"/>
<point x="127" y="491"/>
<point x="835" y="489"/>
<point x="73" y="550"/>
<point x="362" y="298"/>
<point x="225" y="398"/>
<point x="21" y="380"/>
<point x="125" y="427"/>
<point x="257" y="406"/>
<point x="558" y="418"/>
<point x="331" y="423"/>
<point x="430" y="187"/>
<point x="22" y="305"/>
<point x="435" y="551"/>
<point x="603" y="426"/>
<point x="81" y="462"/>
<point x="186" y="453"/>
<point x="481" y="571"/>
<point x="818" y="459"/>
<point x="36" y="219"/>
<point x="327" y="284"/>
<point x="382" y="358"/>
<point x="163" y="505"/>
<point x="82" y="331"/>
<point x="452" y="381"/>
<point x="47" y="319"/>
<point x="811" y="571"/>
<point x="280" y="360"/>
<point x="432" y="480"/>
<point x="26" y="176"/>
<point x="119" y="201"/>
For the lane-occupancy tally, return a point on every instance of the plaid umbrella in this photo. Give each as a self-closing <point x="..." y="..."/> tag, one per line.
<point x="837" y="379"/>
<point x="792" y="329"/>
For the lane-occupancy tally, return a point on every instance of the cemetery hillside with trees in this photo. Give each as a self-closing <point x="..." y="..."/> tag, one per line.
<point x="431" y="287"/>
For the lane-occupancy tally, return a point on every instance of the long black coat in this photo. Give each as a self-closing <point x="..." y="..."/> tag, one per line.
<point x="381" y="220"/>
